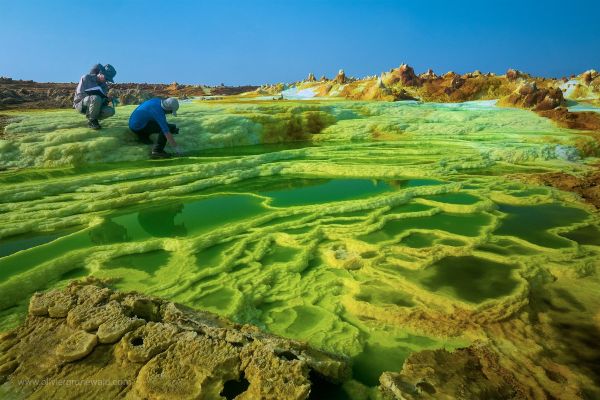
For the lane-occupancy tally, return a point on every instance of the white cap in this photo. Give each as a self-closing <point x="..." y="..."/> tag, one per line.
<point x="170" y="104"/>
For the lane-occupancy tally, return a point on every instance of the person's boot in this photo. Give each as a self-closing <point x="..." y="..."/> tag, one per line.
<point x="94" y="124"/>
<point x="155" y="155"/>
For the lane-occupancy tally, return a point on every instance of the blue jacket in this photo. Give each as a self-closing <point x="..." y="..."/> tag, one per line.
<point x="148" y="111"/>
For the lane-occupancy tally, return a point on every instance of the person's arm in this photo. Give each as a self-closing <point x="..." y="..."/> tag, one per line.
<point x="164" y="126"/>
<point x="170" y="139"/>
<point x="79" y="91"/>
<point x="173" y="143"/>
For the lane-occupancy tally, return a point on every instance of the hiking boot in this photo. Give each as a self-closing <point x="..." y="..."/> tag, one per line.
<point x="156" y="155"/>
<point x="94" y="124"/>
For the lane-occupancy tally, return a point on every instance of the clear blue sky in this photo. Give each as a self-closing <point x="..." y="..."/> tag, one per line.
<point x="254" y="42"/>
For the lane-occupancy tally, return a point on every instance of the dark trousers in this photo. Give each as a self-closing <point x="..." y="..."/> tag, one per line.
<point x="152" y="127"/>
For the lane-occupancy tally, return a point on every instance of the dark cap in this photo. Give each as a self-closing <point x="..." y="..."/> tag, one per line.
<point x="109" y="72"/>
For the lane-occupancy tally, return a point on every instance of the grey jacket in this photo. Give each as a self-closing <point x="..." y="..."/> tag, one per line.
<point x="87" y="82"/>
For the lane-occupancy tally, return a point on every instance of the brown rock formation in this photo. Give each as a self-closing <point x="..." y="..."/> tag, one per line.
<point x="513" y="74"/>
<point x="108" y="344"/>
<point x="271" y="90"/>
<point x="528" y="95"/>
<point x="340" y="77"/>
<point x="587" y="186"/>
<point x="131" y="96"/>
<point x="428" y="75"/>
<point x="311" y="77"/>
<point x="584" y="120"/>
<point x="404" y="75"/>
<point x="588" y="76"/>
<point x="452" y="87"/>
<point x="456" y="82"/>
<point x="375" y="90"/>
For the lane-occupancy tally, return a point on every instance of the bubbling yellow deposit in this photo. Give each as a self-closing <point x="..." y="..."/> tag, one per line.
<point x="368" y="229"/>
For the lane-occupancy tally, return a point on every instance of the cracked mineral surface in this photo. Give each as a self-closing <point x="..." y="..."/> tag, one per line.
<point x="144" y="347"/>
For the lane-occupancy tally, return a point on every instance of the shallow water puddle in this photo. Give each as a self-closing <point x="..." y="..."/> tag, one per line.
<point x="469" y="278"/>
<point x="531" y="223"/>
<point x="377" y="358"/>
<point x="459" y="224"/>
<point x="454" y="198"/>
<point x="306" y="191"/>
<point x="588" y="234"/>
<point x="172" y="220"/>
<point x="190" y="218"/>
<point x="28" y="258"/>
<point x="23" y="242"/>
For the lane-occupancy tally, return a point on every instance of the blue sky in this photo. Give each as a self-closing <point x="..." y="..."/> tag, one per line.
<point x="254" y="42"/>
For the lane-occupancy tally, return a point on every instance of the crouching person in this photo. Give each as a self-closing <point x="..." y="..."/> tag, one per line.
<point x="91" y="96"/>
<point x="150" y="117"/>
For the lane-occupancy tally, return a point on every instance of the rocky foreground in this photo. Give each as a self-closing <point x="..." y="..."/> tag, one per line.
<point x="125" y="344"/>
<point x="88" y="341"/>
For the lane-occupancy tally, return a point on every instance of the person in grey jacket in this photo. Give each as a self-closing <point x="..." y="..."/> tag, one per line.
<point x="91" y="96"/>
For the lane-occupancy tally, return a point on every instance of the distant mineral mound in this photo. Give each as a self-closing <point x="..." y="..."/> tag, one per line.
<point x="109" y="344"/>
<point x="514" y="89"/>
<point x="528" y="95"/>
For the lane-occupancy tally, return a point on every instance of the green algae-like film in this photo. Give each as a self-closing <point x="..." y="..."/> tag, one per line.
<point x="372" y="230"/>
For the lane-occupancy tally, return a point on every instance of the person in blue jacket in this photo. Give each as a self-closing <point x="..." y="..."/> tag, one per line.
<point x="150" y="117"/>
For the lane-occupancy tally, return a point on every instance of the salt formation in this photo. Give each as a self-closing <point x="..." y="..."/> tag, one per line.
<point x="372" y="230"/>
